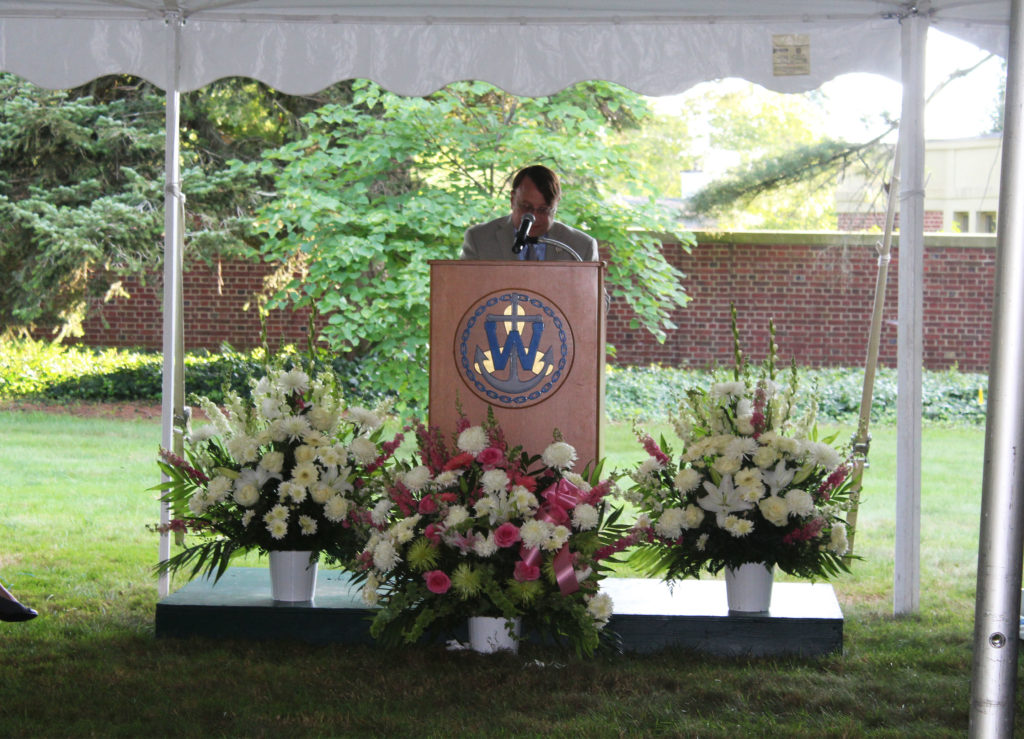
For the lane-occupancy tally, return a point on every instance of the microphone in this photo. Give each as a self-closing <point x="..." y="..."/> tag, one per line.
<point x="524" y="228"/>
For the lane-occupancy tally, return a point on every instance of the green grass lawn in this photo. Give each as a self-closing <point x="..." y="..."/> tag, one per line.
<point x="74" y="506"/>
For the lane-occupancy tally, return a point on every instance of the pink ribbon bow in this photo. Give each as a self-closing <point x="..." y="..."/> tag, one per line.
<point x="560" y="498"/>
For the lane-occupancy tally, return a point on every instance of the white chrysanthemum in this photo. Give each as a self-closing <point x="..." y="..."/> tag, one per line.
<point x="473" y="440"/>
<point x="765" y="457"/>
<point x="559" y="455"/>
<point x="522" y="499"/>
<point x="446" y="478"/>
<point x="198" y="503"/>
<point x="333" y="455"/>
<point x="307" y="525"/>
<point x="273" y="462"/>
<point x="775" y="510"/>
<point x="294" y="427"/>
<point x="247" y="518"/>
<point x="823" y="455"/>
<point x="277" y="528"/>
<point x="751" y="493"/>
<point x="385" y="556"/>
<point x="838" y="543"/>
<point x="727" y="465"/>
<point x="293" y="381"/>
<point x="577" y="479"/>
<point x="693" y="516"/>
<point x="336" y="508"/>
<point x="456" y="515"/>
<point x="747" y="477"/>
<point x="559" y="536"/>
<point x="291" y="491"/>
<point x="643" y="521"/>
<point x="645" y="471"/>
<point x="535" y="534"/>
<point x="323" y="419"/>
<point x="494" y="481"/>
<point x="247" y="494"/>
<point x="585" y="517"/>
<point x="702" y="542"/>
<point x="485" y="547"/>
<point x="788" y="446"/>
<point x="243" y="449"/>
<point x="321" y="492"/>
<point x="670" y="523"/>
<point x="201" y="434"/>
<point x="737" y="526"/>
<point x="305" y="474"/>
<point x="365" y="419"/>
<point x="380" y="512"/>
<point x="404" y="531"/>
<point x="687" y="479"/>
<point x="219" y="488"/>
<point x="271" y="409"/>
<point x="600" y="608"/>
<point x="304" y="453"/>
<point x="417" y="478"/>
<point x="486" y="505"/>
<point x="727" y="389"/>
<point x="800" y="503"/>
<point x="363" y="450"/>
<point x="277" y="513"/>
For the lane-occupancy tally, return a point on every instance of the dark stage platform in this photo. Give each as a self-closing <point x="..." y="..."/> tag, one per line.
<point x="804" y="619"/>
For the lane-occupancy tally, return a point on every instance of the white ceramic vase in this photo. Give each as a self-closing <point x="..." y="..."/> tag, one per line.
<point x="748" y="588"/>
<point x="292" y="576"/>
<point x="489" y="634"/>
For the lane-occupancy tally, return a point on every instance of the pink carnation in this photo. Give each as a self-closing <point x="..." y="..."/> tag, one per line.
<point x="437" y="582"/>
<point x="506" y="535"/>
<point x="491" y="457"/>
<point x="525" y="572"/>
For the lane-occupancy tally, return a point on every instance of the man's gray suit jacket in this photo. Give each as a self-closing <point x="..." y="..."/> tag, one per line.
<point x="494" y="241"/>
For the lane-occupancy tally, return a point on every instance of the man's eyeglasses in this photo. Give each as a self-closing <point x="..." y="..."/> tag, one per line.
<point x="527" y="208"/>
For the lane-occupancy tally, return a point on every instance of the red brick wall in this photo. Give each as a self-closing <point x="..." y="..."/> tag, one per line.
<point x="820" y="296"/>
<point x="865" y="221"/>
<point x="818" y="289"/>
<point x="214" y="300"/>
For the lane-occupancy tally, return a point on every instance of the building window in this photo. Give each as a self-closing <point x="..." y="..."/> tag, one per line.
<point x="961" y="221"/>
<point x="987" y="222"/>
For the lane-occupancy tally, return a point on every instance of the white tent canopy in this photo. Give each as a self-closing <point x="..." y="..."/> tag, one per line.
<point x="414" y="47"/>
<point x="655" y="47"/>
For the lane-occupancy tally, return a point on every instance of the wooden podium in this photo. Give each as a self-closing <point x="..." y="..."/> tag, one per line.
<point x="527" y="339"/>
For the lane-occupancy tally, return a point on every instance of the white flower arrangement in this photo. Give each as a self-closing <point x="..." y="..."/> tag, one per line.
<point x="748" y="485"/>
<point x="291" y="469"/>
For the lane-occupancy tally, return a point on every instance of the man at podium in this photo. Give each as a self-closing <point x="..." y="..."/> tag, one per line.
<point x="535" y="195"/>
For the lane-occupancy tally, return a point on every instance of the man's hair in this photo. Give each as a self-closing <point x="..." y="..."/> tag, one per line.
<point x="543" y="178"/>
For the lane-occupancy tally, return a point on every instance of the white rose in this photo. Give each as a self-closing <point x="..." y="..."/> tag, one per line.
<point x="775" y="510"/>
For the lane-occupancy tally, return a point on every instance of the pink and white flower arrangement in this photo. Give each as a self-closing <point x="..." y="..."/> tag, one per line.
<point x="474" y="528"/>
<point x="292" y="468"/>
<point x="750" y="483"/>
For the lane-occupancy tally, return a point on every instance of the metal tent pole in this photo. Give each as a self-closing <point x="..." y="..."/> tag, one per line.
<point x="997" y="606"/>
<point x="910" y="274"/>
<point x="173" y="390"/>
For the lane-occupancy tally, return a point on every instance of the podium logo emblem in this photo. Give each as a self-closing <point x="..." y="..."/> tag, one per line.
<point x="514" y="348"/>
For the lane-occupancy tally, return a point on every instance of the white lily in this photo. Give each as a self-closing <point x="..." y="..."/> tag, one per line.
<point x="723" y="499"/>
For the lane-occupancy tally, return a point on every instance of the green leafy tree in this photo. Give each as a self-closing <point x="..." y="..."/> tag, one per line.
<point x="772" y="140"/>
<point x="384" y="184"/>
<point x="81" y="185"/>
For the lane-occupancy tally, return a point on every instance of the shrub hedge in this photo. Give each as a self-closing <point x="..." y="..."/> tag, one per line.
<point x="44" y="371"/>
